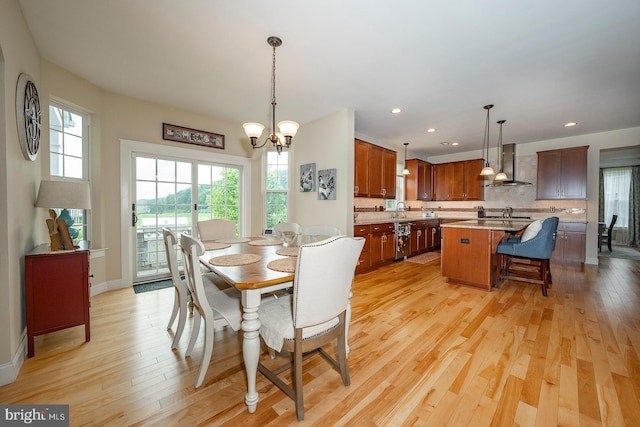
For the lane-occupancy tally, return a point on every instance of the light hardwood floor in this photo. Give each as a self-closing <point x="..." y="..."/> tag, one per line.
<point x="423" y="352"/>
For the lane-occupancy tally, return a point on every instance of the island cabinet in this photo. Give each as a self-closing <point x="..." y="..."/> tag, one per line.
<point x="570" y="243"/>
<point x="562" y="174"/>
<point x="418" y="184"/>
<point x="56" y="291"/>
<point x="458" y="181"/>
<point x="469" y="250"/>
<point x="374" y="171"/>
<point x="380" y="245"/>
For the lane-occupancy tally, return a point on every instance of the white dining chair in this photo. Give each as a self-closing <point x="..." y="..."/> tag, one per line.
<point x="289" y="232"/>
<point x="216" y="229"/>
<point x="221" y="304"/>
<point x="315" y="233"/>
<point x="183" y="301"/>
<point x="315" y="314"/>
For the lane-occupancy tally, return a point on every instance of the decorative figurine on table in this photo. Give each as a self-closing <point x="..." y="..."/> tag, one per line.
<point x="58" y="233"/>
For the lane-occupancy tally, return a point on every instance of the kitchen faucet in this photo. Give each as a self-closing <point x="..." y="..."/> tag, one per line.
<point x="401" y="209"/>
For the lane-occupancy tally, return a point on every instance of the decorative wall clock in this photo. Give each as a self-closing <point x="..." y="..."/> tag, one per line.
<point x="28" y="116"/>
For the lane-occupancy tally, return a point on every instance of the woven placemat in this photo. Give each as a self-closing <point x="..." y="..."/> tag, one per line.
<point x="286" y="265"/>
<point x="265" y="242"/>
<point x="236" y="240"/>
<point x="235" y="259"/>
<point x="290" y="251"/>
<point x="212" y="246"/>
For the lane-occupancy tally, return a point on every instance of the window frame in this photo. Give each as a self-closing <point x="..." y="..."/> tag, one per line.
<point x="286" y="191"/>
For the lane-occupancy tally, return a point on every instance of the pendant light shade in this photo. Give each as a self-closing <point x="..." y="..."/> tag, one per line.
<point x="487" y="170"/>
<point x="501" y="176"/>
<point x="405" y="171"/>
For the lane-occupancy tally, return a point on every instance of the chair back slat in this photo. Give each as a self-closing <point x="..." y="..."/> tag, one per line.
<point x="216" y="229"/>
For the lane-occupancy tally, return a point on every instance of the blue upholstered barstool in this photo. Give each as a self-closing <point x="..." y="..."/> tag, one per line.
<point x="527" y="259"/>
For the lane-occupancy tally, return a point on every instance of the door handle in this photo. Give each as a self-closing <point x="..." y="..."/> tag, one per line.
<point x="134" y="219"/>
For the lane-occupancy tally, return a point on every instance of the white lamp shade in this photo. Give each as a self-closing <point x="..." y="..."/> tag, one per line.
<point x="288" y="128"/>
<point x="253" y="130"/>
<point x="64" y="195"/>
<point x="487" y="170"/>
<point x="501" y="176"/>
<point x="405" y="171"/>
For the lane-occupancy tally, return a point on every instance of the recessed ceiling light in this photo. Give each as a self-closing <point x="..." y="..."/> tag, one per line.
<point x="396" y="110"/>
<point x="431" y="130"/>
<point x="568" y="125"/>
<point x="454" y="143"/>
<point x="444" y="143"/>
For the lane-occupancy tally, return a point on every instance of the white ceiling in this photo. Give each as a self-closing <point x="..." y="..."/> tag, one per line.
<point x="542" y="63"/>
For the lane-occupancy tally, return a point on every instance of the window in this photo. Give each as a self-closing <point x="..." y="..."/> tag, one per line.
<point x="69" y="158"/>
<point x="219" y="193"/>
<point x="277" y="187"/>
<point x="617" y="182"/>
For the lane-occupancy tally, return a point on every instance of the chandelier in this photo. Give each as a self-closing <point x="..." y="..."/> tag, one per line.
<point x="287" y="128"/>
<point x="487" y="170"/>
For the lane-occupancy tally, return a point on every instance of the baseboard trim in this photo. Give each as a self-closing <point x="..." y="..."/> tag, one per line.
<point x="9" y="371"/>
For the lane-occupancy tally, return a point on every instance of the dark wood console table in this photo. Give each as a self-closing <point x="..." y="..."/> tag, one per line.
<point x="57" y="291"/>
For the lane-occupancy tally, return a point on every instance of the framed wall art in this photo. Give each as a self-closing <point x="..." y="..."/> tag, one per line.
<point x="327" y="184"/>
<point x="192" y="136"/>
<point x="308" y="178"/>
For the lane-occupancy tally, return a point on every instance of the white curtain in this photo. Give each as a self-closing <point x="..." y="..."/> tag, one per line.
<point x="617" y="183"/>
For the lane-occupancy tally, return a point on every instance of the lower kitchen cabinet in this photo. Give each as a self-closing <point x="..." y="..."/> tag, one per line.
<point x="570" y="243"/>
<point x="364" y="262"/>
<point x="380" y="245"/>
<point x="425" y="236"/>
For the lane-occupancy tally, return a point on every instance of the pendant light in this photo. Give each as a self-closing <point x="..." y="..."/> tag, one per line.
<point x="405" y="171"/>
<point x="487" y="170"/>
<point x="501" y="176"/>
<point x="288" y="128"/>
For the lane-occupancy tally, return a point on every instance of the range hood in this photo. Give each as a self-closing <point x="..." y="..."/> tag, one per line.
<point x="508" y="167"/>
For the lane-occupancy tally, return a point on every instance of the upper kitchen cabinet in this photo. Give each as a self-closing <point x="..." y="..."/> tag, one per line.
<point x="562" y="174"/>
<point x="361" y="169"/>
<point x="418" y="183"/>
<point x="458" y="181"/>
<point x="375" y="171"/>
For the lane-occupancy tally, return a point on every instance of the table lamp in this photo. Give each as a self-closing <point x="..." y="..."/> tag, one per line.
<point x="64" y="195"/>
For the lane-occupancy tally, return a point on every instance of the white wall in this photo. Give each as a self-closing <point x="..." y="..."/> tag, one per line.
<point x="18" y="186"/>
<point x="327" y="142"/>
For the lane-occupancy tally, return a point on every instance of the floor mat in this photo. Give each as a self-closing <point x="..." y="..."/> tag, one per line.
<point x="424" y="258"/>
<point x="152" y="286"/>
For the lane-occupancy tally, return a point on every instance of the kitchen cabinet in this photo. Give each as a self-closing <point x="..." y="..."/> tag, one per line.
<point x="570" y="243"/>
<point x="425" y="236"/>
<point x="380" y="245"/>
<point x="418" y="183"/>
<point x="562" y="174"/>
<point x="458" y="181"/>
<point x="364" y="262"/>
<point x="361" y="169"/>
<point x="56" y="291"/>
<point x="375" y="171"/>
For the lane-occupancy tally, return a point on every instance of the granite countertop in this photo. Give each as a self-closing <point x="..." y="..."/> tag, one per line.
<point x="370" y="221"/>
<point x="490" y="224"/>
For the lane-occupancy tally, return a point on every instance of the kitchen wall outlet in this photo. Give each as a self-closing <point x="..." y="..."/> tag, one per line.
<point x="552" y="208"/>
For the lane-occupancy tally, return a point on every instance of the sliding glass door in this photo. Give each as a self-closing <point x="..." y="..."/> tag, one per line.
<point x="176" y="194"/>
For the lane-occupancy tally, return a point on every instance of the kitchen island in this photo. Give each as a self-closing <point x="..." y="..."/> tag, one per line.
<point x="469" y="250"/>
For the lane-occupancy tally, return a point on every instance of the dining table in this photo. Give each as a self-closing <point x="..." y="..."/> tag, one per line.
<point x="255" y="266"/>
